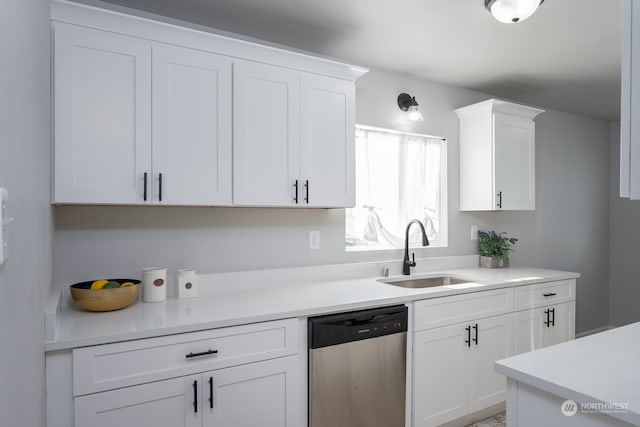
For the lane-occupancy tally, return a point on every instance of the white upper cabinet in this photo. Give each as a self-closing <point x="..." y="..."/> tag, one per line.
<point x="630" y="102"/>
<point x="140" y="122"/>
<point x="327" y="141"/>
<point x="150" y="113"/>
<point x="266" y="134"/>
<point x="294" y="138"/>
<point x="102" y="116"/>
<point x="191" y="127"/>
<point x="497" y="156"/>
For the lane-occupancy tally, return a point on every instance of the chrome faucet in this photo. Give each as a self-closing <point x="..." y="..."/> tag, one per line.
<point x="406" y="265"/>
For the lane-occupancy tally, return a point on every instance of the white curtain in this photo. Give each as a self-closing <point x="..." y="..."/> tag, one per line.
<point x="397" y="180"/>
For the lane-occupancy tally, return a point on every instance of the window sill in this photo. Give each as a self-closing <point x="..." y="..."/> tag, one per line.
<point x="378" y="249"/>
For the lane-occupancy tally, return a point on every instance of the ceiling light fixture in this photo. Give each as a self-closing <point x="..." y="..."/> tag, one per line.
<point x="512" y="11"/>
<point x="409" y="104"/>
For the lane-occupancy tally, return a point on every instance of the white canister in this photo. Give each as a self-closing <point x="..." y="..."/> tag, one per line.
<point x="154" y="284"/>
<point x="186" y="283"/>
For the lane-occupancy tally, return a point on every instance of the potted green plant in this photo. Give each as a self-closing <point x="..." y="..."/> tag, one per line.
<point x="494" y="249"/>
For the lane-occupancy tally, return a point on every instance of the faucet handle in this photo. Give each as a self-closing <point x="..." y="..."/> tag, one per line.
<point x="413" y="259"/>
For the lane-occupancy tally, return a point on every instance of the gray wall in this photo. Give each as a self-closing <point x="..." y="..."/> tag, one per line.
<point x="26" y="276"/>
<point x="571" y="214"/>
<point x="624" y="242"/>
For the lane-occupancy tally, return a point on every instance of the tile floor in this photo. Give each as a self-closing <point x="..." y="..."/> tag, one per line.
<point x="499" y="420"/>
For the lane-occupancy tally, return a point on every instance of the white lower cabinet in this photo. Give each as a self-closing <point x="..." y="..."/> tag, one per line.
<point x="492" y="339"/>
<point x="262" y="393"/>
<point x="453" y="368"/>
<point x="241" y="376"/>
<point x="544" y="326"/>
<point x="167" y="403"/>
<point x="440" y="375"/>
<point x="457" y="339"/>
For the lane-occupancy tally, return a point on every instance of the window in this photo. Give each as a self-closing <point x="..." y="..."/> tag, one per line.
<point x="399" y="177"/>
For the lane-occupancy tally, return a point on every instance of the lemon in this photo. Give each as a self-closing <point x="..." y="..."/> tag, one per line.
<point x="110" y="285"/>
<point x="98" y="284"/>
<point x="125" y="284"/>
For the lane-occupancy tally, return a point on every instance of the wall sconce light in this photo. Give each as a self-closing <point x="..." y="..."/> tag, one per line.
<point x="512" y="11"/>
<point x="409" y="104"/>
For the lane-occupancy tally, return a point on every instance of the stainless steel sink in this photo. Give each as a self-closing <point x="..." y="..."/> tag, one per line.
<point x="426" y="282"/>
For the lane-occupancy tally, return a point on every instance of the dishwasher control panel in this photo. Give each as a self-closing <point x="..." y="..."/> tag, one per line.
<point x="342" y="328"/>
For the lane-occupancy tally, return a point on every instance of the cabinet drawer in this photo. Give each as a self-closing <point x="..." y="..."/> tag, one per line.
<point x="435" y="312"/>
<point x="123" y="364"/>
<point x="541" y="294"/>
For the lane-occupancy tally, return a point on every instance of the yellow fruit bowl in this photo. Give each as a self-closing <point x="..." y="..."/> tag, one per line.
<point x="105" y="295"/>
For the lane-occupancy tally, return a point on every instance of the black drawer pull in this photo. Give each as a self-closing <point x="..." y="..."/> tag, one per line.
<point x="195" y="396"/>
<point x="295" y="186"/>
<point x="553" y="317"/>
<point x="475" y="328"/>
<point x="468" y="340"/>
<point x="549" y="294"/>
<point x="204" y="353"/>
<point x="159" y="187"/>
<point x="547" y="322"/>
<point x="144" y="196"/>
<point x="306" y="186"/>
<point x="211" y="392"/>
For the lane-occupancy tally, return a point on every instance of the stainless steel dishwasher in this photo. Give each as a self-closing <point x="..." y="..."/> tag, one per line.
<point x="357" y="368"/>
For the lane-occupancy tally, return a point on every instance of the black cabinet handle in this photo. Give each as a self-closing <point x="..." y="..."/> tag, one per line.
<point x="195" y="396"/>
<point x="475" y="328"/>
<point x="549" y="294"/>
<point x="144" y="196"/>
<point x="203" y="353"/>
<point x="211" y="392"/>
<point x="468" y="340"/>
<point x="500" y="199"/>
<point x="306" y="187"/>
<point x="295" y="186"/>
<point x="546" y="322"/>
<point x="553" y="317"/>
<point x="160" y="187"/>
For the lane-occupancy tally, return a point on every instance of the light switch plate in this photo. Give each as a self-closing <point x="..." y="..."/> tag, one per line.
<point x="314" y="239"/>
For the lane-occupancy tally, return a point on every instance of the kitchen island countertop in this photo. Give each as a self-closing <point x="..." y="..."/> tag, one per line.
<point x="600" y="370"/>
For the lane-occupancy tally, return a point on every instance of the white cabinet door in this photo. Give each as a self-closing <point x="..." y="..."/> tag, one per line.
<point x="264" y="394"/>
<point x="169" y="403"/>
<point x="191" y="127"/>
<point x="630" y="102"/>
<point x="440" y="375"/>
<point x="530" y="329"/>
<point x="514" y="148"/>
<point x="492" y="339"/>
<point x="497" y="156"/>
<point x="266" y="135"/>
<point x="562" y="324"/>
<point x="327" y="145"/>
<point x="102" y="116"/>
<point x="544" y="326"/>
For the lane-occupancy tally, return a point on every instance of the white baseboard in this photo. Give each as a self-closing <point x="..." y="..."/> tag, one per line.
<point x="594" y="331"/>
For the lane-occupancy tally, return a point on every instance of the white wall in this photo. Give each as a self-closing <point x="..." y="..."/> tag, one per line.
<point x="572" y="196"/>
<point x="24" y="170"/>
<point x="624" y="242"/>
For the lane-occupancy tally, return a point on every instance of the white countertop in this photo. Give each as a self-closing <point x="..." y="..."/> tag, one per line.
<point x="600" y="368"/>
<point x="75" y="327"/>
